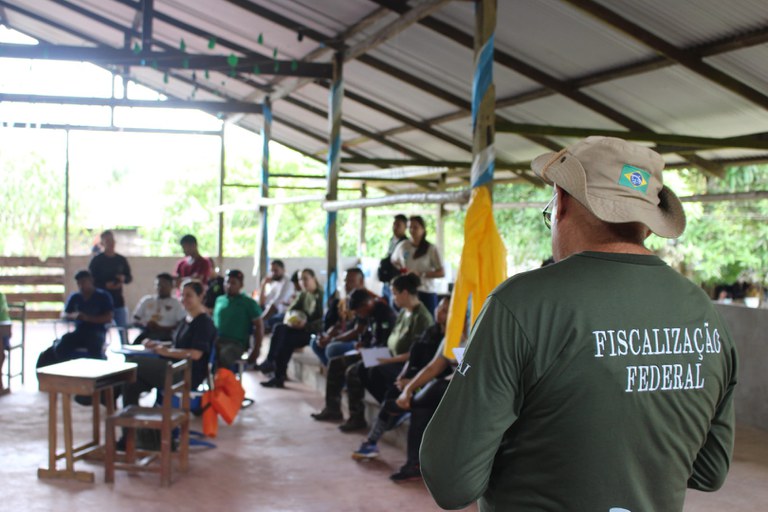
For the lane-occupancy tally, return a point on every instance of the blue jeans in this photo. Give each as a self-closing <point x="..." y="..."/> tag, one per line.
<point x="120" y="317"/>
<point x="333" y="349"/>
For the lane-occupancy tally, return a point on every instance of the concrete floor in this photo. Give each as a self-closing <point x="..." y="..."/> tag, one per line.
<point x="273" y="458"/>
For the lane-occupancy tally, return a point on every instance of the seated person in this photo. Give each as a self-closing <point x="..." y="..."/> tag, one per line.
<point x="236" y="316"/>
<point x="193" y="340"/>
<point x="5" y="335"/>
<point x="91" y="310"/>
<point x="378" y="318"/>
<point x="158" y="315"/>
<point x="412" y="320"/>
<point x="343" y="330"/>
<point x="275" y="293"/>
<point x="303" y="319"/>
<point x="421" y="355"/>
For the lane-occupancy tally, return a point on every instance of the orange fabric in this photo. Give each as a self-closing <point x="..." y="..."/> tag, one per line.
<point x="228" y="394"/>
<point x="482" y="268"/>
<point x="210" y="418"/>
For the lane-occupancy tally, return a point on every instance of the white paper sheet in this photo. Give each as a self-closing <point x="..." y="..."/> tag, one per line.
<point x="458" y="354"/>
<point x="371" y="355"/>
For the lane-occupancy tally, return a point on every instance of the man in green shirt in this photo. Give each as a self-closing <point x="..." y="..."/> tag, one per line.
<point x="236" y="316"/>
<point x="602" y="382"/>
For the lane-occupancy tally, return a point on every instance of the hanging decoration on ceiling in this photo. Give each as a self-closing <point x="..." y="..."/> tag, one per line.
<point x="211" y="43"/>
<point x="260" y="39"/>
<point x="182" y="45"/>
<point x="294" y="65"/>
<point x="256" y="69"/>
<point x="136" y="48"/>
<point x="165" y="77"/>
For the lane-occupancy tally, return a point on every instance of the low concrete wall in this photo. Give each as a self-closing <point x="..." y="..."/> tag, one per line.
<point x="144" y="270"/>
<point x="749" y="330"/>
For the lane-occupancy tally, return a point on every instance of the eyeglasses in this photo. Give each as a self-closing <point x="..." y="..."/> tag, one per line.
<point x="547" y="212"/>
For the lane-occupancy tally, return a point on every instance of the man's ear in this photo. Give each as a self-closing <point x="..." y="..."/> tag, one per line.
<point x="563" y="202"/>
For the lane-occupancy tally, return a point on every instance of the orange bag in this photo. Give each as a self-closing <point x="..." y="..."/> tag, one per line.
<point x="228" y="394"/>
<point x="210" y="417"/>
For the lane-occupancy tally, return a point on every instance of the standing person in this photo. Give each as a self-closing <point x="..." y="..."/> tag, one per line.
<point x="275" y="293"/>
<point x="602" y="382"/>
<point x="193" y="265"/>
<point x="5" y="335"/>
<point x="91" y="310"/>
<point x="303" y="319"/>
<point x="399" y="226"/>
<point x="236" y="316"/>
<point x="416" y="255"/>
<point x="193" y="340"/>
<point x="111" y="272"/>
<point x="158" y="315"/>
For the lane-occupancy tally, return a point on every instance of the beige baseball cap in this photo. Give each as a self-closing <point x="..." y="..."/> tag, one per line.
<point x="616" y="180"/>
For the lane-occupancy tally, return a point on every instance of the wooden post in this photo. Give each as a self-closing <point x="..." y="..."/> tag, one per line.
<point x="334" y="163"/>
<point x="483" y="96"/>
<point x="262" y="261"/>
<point x="222" y="178"/>
<point x="361" y="245"/>
<point x="440" y="221"/>
<point x="66" y="198"/>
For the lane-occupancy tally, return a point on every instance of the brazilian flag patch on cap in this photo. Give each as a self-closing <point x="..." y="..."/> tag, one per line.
<point x="634" y="178"/>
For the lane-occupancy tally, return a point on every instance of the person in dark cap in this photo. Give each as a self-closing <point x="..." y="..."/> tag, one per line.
<point x="602" y="382"/>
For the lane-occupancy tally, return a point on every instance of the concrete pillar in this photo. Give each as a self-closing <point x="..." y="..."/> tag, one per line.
<point x="262" y="256"/>
<point x="334" y="163"/>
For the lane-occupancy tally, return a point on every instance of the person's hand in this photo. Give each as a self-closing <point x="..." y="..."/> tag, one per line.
<point x="401" y="382"/>
<point x="150" y="343"/>
<point x="267" y="279"/>
<point x="404" y="400"/>
<point x="153" y="325"/>
<point x="385" y="360"/>
<point x="71" y="316"/>
<point x="323" y="341"/>
<point x="160" y="350"/>
<point x="120" y="278"/>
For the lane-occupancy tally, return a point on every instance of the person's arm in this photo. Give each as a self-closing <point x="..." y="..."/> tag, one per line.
<point x="436" y="366"/>
<point x="127" y="277"/>
<point x="437" y="264"/>
<point x="402" y="358"/>
<point x="713" y="460"/>
<point x="178" y="353"/>
<point x="483" y="400"/>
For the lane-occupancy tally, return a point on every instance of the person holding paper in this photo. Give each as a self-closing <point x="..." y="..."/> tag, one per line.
<point x="414" y="318"/>
<point x="379" y="319"/>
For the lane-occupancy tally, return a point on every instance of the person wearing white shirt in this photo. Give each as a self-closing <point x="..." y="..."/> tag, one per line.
<point x="158" y="315"/>
<point x="275" y="294"/>
<point x="418" y="256"/>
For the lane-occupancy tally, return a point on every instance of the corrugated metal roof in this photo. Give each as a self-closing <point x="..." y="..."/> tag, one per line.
<point x="554" y="61"/>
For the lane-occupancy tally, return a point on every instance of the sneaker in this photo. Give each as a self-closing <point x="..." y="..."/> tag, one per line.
<point x="353" y="424"/>
<point x="328" y="415"/>
<point x="407" y="473"/>
<point x="366" y="451"/>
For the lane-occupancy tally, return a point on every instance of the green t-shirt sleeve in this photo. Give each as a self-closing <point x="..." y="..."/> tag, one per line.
<point x="713" y="460"/>
<point x="481" y="403"/>
<point x="5" y="316"/>
<point x="255" y="310"/>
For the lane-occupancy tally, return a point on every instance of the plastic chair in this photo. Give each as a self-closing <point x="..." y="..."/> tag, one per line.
<point x="165" y="419"/>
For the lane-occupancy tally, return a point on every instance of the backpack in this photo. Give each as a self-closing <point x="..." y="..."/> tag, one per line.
<point x="214" y="291"/>
<point x="387" y="271"/>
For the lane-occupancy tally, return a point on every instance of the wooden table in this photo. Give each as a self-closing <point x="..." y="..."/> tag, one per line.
<point x="79" y="377"/>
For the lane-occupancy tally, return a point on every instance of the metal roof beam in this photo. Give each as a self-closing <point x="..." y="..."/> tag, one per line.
<point x="685" y="58"/>
<point x="416" y="162"/>
<point x="748" y="142"/>
<point x="106" y="56"/>
<point x="120" y="129"/>
<point x="414" y="14"/>
<point x="207" y="106"/>
<point x="147" y="15"/>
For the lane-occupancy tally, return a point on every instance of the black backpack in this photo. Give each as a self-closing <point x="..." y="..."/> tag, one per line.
<point x="387" y="270"/>
<point x="214" y="291"/>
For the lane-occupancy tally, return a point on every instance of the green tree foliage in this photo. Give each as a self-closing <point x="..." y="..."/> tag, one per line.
<point x="32" y="212"/>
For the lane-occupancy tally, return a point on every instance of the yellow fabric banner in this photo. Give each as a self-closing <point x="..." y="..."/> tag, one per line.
<point x="482" y="268"/>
